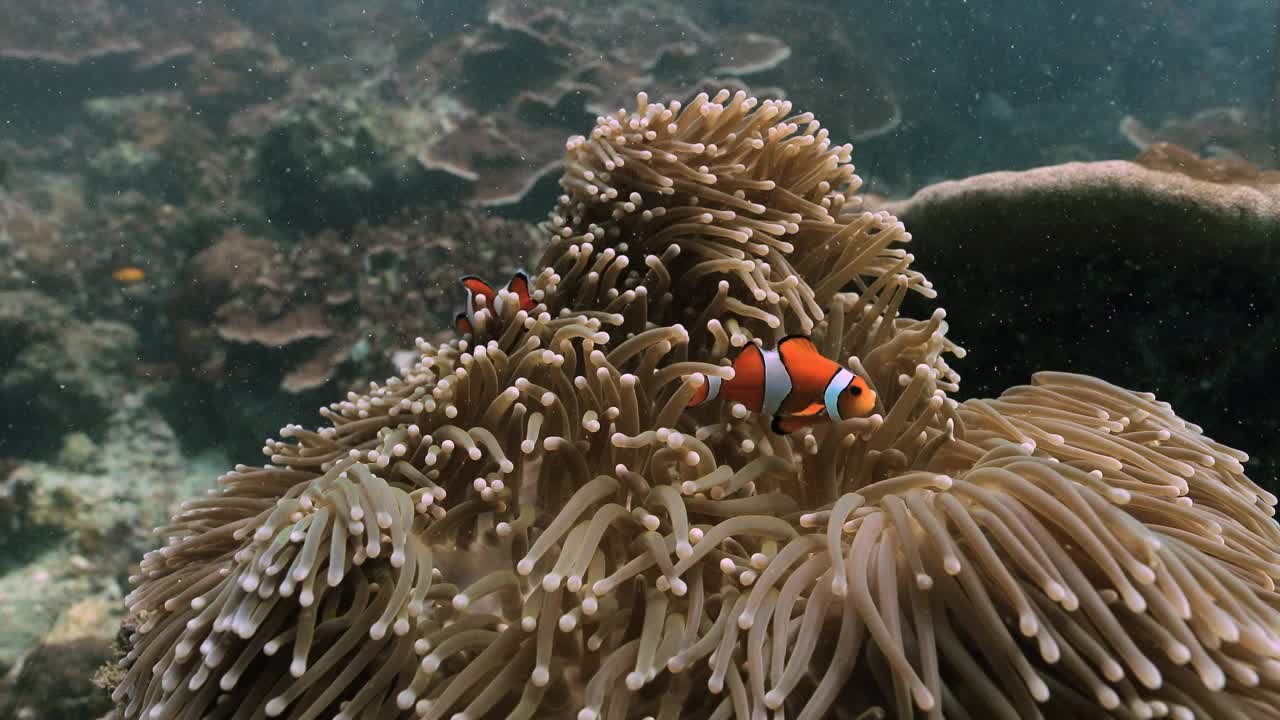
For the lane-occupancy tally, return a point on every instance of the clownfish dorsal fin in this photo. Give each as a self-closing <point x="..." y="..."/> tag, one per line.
<point x="803" y="343"/>
<point x="520" y="286"/>
<point x="809" y="369"/>
<point x="475" y="286"/>
<point x="749" y="365"/>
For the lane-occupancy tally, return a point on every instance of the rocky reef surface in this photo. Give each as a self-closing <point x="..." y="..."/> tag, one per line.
<point x="72" y="526"/>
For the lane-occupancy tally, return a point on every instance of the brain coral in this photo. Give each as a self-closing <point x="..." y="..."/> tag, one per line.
<point x="530" y="524"/>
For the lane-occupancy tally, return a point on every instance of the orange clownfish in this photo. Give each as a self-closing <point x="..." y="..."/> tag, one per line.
<point x="794" y="383"/>
<point x="477" y="289"/>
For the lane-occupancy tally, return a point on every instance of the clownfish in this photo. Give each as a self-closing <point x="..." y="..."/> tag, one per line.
<point x="477" y="289"/>
<point x="794" y="383"/>
<point x="128" y="275"/>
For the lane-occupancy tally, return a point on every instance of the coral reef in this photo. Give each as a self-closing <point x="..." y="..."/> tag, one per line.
<point x="1172" y="264"/>
<point x="112" y="46"/>
<point x="273" y="325"/>
<point x="100" y="494"/>
<point x="45" y="34"/>
<point x="71" y="530"/>
<point x="1185" y="204"/>
<point x="334" y="158"/>
<point x="530" y="524"/>
<point x="55" y="367"/>
<point x="245" y="290"/>
<point x="1233" y="133"/>
<point x="56" y="682"/>
<point x="286" y="124"/>
<point x="37" y="234"/>
<point x="484" y="97"/>
<point x="529" y="75"/>
<point x="137" y="137"/>
<point x="982" y="92"/>
<point x="245" y="294"/>
<point x="1220" y="171"/>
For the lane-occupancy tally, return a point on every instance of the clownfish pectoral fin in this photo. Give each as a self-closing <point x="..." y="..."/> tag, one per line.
<point x="463" y="324"/>
<point x="813" y="409"/>
<point x="807" y="417"/>
<point x="520" y="286"/>
<point x="787" y="424"/>
<point x="810" y="372"/>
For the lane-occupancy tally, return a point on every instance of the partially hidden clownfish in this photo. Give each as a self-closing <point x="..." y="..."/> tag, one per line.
<point x="793" y="383"/>
<point x="478" y="289"/>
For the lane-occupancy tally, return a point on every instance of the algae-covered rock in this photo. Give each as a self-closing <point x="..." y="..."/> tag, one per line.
<point x="78" y="451"/>
<point x="56" y="371"/>
<point x="339" y="157"/>
<point x="1157" y="273"/>
<point x="70" y="530"/>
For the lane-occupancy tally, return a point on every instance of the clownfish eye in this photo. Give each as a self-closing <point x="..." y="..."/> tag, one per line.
<point x="854" y="390"/>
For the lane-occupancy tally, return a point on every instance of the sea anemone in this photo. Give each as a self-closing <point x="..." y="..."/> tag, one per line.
<point x="530" y="523"/>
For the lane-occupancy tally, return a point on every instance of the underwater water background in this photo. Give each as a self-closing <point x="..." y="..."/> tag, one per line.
<point x="216" y="217"/>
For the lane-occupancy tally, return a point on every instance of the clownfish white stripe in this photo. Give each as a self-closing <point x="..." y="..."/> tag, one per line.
<point x="495" y="301"/>
<point x="713" y="387"/>
<point x="831" y="395"/>
<point x="777" y="383"/>
<point x="793" y="383"/>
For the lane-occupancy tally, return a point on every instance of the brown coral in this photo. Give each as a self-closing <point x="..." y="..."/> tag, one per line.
<point x="1230" y="133"/>
<point x="1221" y="171"/>
<point x="1179" y="203"/>
<point x="306" y="305"/>
<point x="96" y="47"/>
<point x="1168" y="261"/>
<point x="532" y="73"/>
<point x="530" y="524"/>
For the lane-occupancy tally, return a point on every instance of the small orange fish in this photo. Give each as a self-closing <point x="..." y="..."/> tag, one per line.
<point x="794" y="383"/>
<point x="481" y="294"/>
<point x="128" y="275"/>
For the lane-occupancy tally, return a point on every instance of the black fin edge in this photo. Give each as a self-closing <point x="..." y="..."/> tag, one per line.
<point x="797" y="336"/>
